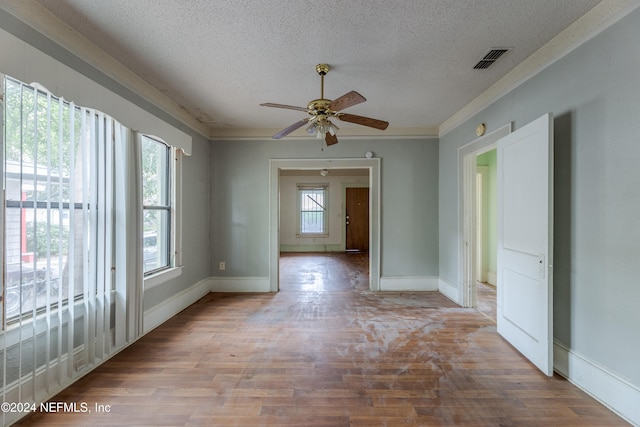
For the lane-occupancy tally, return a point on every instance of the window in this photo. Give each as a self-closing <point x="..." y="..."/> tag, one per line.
<point x="156" y="196"/>
<point x="73" y="208"/>
<point x="46" y="209"/>
<point x="312" y="203"/>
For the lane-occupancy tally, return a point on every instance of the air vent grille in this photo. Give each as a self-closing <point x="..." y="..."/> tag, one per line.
<point x="490" y="58"/>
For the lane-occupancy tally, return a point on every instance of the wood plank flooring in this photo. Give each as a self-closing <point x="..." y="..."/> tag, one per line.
<point x="486" y="299"/>
<point x="325" y="352"/>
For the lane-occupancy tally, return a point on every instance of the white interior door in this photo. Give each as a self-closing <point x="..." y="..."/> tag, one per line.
<point x="525" y="241"/>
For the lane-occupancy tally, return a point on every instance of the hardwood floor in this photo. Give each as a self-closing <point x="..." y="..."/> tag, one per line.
<point x="325" y="352"/>
<point x="486" y="299"/>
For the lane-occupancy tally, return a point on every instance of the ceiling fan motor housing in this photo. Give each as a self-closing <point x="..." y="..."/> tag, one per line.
<point x="319" y="106"/>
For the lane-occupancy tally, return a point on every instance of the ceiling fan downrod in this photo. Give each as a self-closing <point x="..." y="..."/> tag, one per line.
<point x="322" y="69"/>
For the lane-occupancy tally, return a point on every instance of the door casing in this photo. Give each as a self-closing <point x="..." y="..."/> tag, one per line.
<point x="467" y="244"/>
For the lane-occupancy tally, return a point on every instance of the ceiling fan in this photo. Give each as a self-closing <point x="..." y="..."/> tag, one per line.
<point x="323" y="110"/>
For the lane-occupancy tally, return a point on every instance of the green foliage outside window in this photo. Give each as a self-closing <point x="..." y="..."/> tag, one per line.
<point x="43" y="238"/>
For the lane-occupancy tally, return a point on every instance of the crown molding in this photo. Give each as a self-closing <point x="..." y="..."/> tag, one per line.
<point x="602" y="16"/>
<point x="41" y="20"/>
<point x="343" y="133"/>
<point x="592" y="23"/>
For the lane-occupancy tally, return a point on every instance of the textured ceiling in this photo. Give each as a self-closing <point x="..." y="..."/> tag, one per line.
<point x="412" y="59"/>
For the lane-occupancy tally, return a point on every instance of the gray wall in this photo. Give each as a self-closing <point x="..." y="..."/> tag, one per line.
<point x="594" y="94"/>
<point x="409" y="200"/>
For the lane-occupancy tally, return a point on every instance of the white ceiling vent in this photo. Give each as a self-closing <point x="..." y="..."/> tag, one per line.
<point x="491" y="57"/>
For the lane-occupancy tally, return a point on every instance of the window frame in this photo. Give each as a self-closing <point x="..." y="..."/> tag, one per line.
<point x="166" y="180"/>
<point x="173" y="269"/>
<point x="324" y="187"/>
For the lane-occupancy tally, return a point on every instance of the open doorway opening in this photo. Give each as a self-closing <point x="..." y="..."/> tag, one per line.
<point x="324" y="228"/>
<point x="524" y="238"/>
<point x="478" y="222"/>
<point x="485" y="265"/>
<point x="327" y="183"/>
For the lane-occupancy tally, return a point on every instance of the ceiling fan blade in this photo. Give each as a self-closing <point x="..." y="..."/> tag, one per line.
<point x="290" y="129"/>
<point x="330" y="139"/>
<point x="364" y="121"/>
<point x="346" y="100"/>
<point x="288" y="107"/>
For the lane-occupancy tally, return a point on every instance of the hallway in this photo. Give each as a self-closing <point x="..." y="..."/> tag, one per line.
<point x="325" y="351"/>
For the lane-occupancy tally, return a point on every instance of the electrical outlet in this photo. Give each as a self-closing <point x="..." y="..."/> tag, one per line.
<point x="221" y="265"/>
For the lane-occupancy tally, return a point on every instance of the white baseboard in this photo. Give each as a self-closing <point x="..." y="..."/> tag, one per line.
<point x="610" y="389"/>
<point x="240" y="284"/>
<point x="492" y="278"/>
<point x="448" y="290"/>
<point x="312" y="248"/>
<point x="409" y="283"/>
<point x="155" y="316"/>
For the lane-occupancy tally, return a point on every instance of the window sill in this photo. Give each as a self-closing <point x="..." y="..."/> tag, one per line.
<point x="161" y="277"/>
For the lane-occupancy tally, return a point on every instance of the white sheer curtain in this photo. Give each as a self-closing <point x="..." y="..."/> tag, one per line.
<point x="72" y="288"/>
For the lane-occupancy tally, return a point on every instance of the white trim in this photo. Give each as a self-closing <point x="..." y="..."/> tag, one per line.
<point x="324" y="187"/>
<point x="46" y="23"/>
<point x="240" y="284"/>
<point x="613" y="391"/>
<point x="395" y="133"/>
<point x="466" y="210"/>
<point x="481" y="257"/>
<point x="448" y="290"/>
<point x="161" y="277"/>
<point x="602" y="16"/>
<point x="155" y="316"/>
<point x="338" y="247"/>
<point x="409" y="283"/>
<point x="492" y="278"/>
<point x="176" y="206"/>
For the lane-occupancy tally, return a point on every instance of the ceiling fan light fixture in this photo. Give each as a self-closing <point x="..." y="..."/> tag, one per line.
<point x="312" y="128"/>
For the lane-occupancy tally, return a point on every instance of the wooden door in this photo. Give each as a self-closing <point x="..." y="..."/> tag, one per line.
<point x="525" y="241"/>
<point x="357" y="219"/>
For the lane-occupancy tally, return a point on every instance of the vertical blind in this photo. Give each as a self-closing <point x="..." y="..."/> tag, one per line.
<point x="72" y="288"/>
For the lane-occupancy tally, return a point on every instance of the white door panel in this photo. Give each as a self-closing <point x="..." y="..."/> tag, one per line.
<point x="525" y="225"/>
<point x="527" y="195"/>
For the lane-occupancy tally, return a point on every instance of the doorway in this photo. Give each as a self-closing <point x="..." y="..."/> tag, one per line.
<point x="357" y="219"/>
<point x="372" y="165"/>
<point x="471" y="255"/>
<point x="524" y="235"/>
<point x="486" y="233"/>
